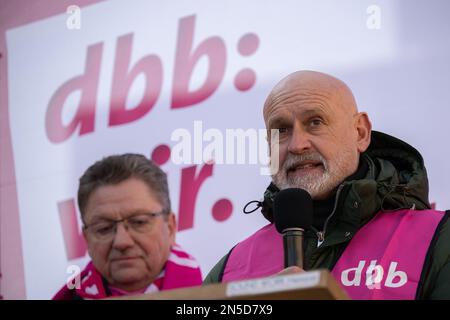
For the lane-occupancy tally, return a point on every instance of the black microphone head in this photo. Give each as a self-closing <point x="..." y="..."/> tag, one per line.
<point x="292" y="208"/>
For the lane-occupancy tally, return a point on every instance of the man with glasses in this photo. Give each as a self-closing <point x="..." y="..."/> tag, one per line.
<point x="130" y="232"/>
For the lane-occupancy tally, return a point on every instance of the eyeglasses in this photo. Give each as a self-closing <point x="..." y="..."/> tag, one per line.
<point x="105" y="230"/>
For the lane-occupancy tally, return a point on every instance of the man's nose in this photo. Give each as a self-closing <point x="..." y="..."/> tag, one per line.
<point x="299" y="141"/>
<point x="122" y="239"/>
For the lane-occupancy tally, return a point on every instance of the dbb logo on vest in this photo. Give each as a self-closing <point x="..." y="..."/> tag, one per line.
<point x="374" y="275"/>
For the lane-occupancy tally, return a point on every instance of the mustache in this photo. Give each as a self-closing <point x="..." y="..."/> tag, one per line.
<point x="294" y="160"/>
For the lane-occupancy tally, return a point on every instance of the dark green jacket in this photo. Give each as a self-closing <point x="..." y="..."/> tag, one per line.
<point x="396" y="179"/>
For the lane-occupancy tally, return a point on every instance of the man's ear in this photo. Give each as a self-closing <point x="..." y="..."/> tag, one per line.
<point x="363" y="129"/>
<point x="268" y="137"/>
<point x="85" y="236"/>
<point x="172" y="225"/>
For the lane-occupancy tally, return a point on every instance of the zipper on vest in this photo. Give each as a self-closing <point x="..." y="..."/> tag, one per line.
<point x="321" y="234"/>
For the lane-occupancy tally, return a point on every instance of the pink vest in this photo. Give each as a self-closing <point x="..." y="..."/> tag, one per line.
<point x="384" y="260"/>
<point x="181" y="270"/>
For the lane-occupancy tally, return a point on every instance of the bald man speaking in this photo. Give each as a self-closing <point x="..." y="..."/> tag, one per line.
<point x="373" y="226"/>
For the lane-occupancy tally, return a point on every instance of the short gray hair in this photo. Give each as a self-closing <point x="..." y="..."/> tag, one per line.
<point x="117" y="168"/>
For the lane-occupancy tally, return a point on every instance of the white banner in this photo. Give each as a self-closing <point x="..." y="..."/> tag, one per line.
<point x="123" y="76"/>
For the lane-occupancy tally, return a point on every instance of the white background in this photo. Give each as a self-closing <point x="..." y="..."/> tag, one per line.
<point x="400" y="75"/>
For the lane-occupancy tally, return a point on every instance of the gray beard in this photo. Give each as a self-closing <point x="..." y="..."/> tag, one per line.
<point x="317" y="185"/>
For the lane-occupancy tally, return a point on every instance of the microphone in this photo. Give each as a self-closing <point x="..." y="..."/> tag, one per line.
<point x="293" y="214"/>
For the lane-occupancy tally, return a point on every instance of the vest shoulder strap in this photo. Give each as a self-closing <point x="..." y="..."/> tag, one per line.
<point x="222" y="270"/>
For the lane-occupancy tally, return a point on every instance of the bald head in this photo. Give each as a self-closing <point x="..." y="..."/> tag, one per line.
<point x="320" y="132"/>
<point x="315" y="87"/>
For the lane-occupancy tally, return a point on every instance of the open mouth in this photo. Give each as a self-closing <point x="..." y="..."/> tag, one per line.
<point x="305" y="166"/>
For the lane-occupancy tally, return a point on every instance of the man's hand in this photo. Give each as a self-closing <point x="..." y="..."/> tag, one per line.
<point x="289" y="270"/>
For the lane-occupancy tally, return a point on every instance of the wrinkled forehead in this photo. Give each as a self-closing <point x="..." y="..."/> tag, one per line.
<point x="299" y="101"/>
<point x="310" y="90"/>
<point x="129" y="197"/>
